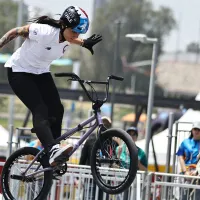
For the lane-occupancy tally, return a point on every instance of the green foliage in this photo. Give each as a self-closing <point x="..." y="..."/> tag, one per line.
<point x="3" y="103"/>
<point x="8" y="20"/>
<point x="61" y="82"/>
<point x="17" y="123"/>
<point x="136" y="17"/>
<point x="193" y="47"/>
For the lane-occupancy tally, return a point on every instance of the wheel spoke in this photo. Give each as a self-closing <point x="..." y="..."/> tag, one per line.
<point x="28" y="188"/>
<point x="114" y="161"/>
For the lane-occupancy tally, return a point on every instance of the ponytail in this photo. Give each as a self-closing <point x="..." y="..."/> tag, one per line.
<point x="191" y="135"/>
<point x="47" y="20"/>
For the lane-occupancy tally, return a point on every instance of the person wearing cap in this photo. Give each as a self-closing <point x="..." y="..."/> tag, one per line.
<point x="28" y="69"/>
<point x="188" y="154"/>
<point x="189" y="149"/>
<point x="142" y="159"/>
<point x="123" y="154"/>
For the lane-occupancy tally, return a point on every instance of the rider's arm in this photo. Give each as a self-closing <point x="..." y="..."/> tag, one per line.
<point x="77" y="41"/>
<point x="89" y="42"/>
<point x="13" y="33"/>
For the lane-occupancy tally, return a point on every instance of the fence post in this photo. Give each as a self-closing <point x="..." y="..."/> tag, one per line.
<point x="17" y="138"/>
<point x="168" y="156"/>
<point x="175" y="144"/>
<point x="10" y="138"/>
<point x="148" y="186"/>
<point x="144" y="177"/>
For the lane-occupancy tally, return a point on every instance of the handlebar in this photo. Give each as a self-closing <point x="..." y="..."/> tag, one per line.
<point x="118" y="78"/>
<point x="65" y="74"/>
<point x="75" y="77"/>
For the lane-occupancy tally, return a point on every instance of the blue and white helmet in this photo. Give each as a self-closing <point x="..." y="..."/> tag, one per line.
<point x="75" y="18"/>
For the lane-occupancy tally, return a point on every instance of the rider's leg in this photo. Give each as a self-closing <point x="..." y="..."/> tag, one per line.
<point x="51" y="98"/>
<point x="24" y="86"/>
<point x="52" y="101"/>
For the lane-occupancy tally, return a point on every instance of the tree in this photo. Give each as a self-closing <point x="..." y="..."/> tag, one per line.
<point x="140" y="17"/>
<point x="193" y="47"/>
<point x="8" y="20"/>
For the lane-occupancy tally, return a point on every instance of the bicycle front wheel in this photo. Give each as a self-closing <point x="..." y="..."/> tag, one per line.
<point x="114" y="161"/>
<point x="33" y="188"/>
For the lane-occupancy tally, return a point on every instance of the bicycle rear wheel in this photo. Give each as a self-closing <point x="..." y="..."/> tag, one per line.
<point x="33" y="188"/>
<point x="112" y="171"/>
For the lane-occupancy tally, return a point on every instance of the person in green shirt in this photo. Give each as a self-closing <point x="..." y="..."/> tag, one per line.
<point x="123" y="153"/>
<point x="142" y="159"/>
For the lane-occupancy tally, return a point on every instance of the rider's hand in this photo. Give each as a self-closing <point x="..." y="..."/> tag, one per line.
<point x="91" y="41"/>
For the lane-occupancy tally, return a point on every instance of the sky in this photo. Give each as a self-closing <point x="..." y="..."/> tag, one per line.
<point x="186" y="13"/>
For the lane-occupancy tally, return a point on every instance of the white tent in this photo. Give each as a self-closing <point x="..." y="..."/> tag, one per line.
<point x="4" y="137"/>
<point x="161" y="140"/>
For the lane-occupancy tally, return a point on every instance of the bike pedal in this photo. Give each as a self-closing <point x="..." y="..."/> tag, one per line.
<point x="61" y="160"/>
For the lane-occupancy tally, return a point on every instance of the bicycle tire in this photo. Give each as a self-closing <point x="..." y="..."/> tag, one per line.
<point x="133" y="161"/>
<point x="7" y="169"/>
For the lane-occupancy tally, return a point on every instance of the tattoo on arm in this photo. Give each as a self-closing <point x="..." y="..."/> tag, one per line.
<point x="23" y="31"/>
<point x="13" y="33"/>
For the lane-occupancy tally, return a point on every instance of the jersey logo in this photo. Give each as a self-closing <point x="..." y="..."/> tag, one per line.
<point x="48" y="48"/>
<point x="35" y="32"/>
<point x="65" y="47"/>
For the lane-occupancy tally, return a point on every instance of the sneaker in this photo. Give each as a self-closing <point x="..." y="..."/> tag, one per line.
<point x="57" y="153"/>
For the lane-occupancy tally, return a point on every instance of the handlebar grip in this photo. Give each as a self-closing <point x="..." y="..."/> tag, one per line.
<point x="119" y="78"/>
<point x="66" y="74"/>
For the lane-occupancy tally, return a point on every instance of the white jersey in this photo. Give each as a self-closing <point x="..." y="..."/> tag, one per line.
<point x="38" y="51"/>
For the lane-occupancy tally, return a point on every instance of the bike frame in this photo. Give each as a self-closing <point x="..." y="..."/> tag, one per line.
<point x="98" y="123"/>
<point x="96" y="117"/>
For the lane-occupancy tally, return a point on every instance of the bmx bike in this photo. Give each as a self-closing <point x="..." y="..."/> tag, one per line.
<point x="27" y="170"/>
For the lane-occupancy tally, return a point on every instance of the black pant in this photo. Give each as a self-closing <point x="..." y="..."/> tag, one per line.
<point x="40" y="95"/>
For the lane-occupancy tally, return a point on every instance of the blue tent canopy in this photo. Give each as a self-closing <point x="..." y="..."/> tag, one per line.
<point x="58" y="62"/>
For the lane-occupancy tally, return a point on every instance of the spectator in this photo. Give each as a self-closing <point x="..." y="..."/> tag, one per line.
<point x="87" y="149"/>
<point x="85" y="160"/>
<point x="123" y="154"/>
<point x="36" y="143"/>
<point x="188" y="153"/>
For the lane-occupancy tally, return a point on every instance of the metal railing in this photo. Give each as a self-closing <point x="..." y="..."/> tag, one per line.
<point x="178" y="187"/>
<point x="78" y="184"/>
